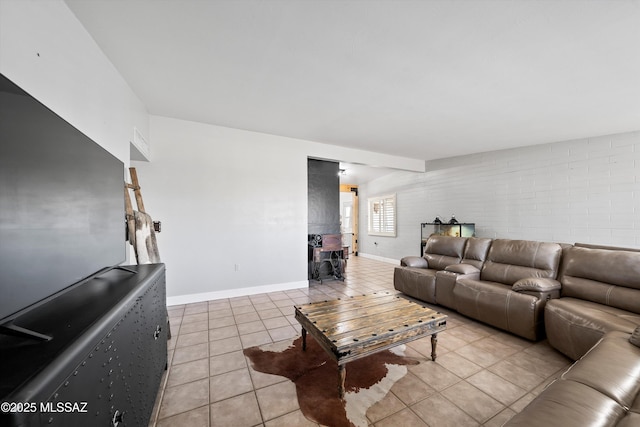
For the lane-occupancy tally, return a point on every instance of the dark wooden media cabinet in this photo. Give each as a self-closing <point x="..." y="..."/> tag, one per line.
<point x="105" y="359"/>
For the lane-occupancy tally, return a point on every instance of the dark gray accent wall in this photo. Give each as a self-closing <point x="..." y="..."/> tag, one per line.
<point x="324" y="197"/>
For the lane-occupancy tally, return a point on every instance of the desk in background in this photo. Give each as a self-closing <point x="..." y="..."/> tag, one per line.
<point x="327" y="250"/>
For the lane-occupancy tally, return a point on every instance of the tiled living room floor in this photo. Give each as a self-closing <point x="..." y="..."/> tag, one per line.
<point x="482" y="376"/>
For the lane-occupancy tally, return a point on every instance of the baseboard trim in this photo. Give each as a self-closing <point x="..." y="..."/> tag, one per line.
<point x="233" y="293"/>
<point x="379" y="258"/>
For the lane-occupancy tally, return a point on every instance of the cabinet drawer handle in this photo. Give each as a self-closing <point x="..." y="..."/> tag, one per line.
<point x="156" y="333"/>
<point x="117" y="418"/>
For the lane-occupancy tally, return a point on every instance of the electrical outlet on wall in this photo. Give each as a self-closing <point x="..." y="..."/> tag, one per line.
<point x="236" y="267"/>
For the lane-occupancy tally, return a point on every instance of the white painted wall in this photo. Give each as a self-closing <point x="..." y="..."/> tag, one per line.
<point x="47" y="52"/>
<point x="233" y="206"/>
<point x="259" y="181"/>
<point x="586" y="190"/>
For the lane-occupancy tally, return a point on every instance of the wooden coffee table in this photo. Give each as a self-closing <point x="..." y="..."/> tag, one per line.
<point x="354" y="327"/>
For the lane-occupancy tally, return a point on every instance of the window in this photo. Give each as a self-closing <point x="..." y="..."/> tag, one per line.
<point x="382" y="216"/>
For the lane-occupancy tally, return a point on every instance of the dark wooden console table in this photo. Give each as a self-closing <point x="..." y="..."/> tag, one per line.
<point x="107" y="353"/>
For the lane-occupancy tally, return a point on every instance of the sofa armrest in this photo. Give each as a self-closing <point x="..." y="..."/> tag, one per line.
<point x="536" y="284"/>
<point x="462" y="269"/>
<point x="414" y="261"/>
<point x="540" y="287"/>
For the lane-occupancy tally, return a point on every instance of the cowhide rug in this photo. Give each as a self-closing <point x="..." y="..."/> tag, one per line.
<point x="315" y="375"/>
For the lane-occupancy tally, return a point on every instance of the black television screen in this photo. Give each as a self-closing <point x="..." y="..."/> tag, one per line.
<point x="61" y="203"/>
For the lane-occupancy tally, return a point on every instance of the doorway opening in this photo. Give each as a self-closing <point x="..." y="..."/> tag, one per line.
<point x="349" y="217"/>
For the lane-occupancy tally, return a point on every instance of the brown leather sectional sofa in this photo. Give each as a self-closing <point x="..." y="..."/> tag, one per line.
<point x="586" y="299"/>
<point x="600" y="389"/>
<point x="573" y="294"/>
<point x="505" y="283"/>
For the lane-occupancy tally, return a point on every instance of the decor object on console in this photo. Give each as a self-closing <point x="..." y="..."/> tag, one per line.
<point x="140" y="227"/>
<point x="452" y="228"/>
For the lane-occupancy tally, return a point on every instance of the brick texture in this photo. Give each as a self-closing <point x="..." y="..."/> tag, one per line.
<point x="585" y="190"/>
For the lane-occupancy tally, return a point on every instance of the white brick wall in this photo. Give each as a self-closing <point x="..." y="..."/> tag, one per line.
<point x="585" y="190"/>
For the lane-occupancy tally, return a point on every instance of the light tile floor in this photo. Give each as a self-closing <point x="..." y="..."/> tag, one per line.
<point x="482" y="376"/>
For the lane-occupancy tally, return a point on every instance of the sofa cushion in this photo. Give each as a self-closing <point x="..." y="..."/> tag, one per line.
<point x="441" y="251"/>
<point x="569" y="404"/>
<point x="511" y="260"/>
<point x="573" y="325"/>
<point x="468" y="291"/>
<point x="601" y="293"/>
<point x="496" y="304"/>
<point x="476" y="250"/>
<point x="612" y="367"/>
<point x="604" y="276"/>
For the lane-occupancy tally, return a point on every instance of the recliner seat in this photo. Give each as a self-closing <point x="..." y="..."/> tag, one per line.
<point x="600" y="293"/>
<point x="513" y="287"/>
<point x="475" y="254"/>
<point x="416" y="276"/>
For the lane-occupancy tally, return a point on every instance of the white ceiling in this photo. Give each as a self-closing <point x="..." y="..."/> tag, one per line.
<point x="421" y="79"/>
<point x="355" y="174"/>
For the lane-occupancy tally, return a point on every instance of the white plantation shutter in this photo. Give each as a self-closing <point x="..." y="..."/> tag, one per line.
<point x="382" y="216"/>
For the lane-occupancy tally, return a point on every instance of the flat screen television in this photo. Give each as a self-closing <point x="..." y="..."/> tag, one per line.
<point x="61" y="204"/>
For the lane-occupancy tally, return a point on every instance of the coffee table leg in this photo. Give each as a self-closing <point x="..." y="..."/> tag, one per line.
<point x="342" y="372"/>
<point x="434" y="342"/>
<point x="304" y="339"/>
